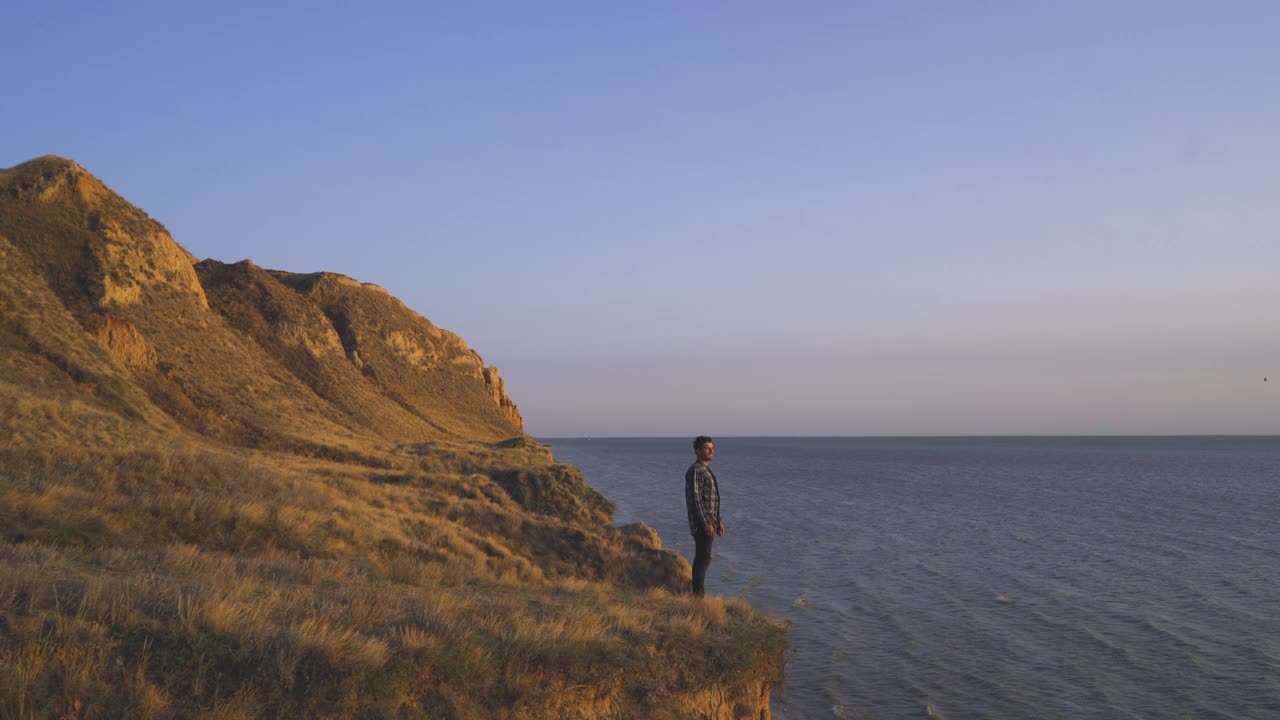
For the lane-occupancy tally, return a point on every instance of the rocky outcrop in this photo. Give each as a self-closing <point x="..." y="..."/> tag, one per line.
<point x="125" y="344"/>
<point x="97" y="251"/>
<point x="430" y="372"/>
<point x="498" y="390"/>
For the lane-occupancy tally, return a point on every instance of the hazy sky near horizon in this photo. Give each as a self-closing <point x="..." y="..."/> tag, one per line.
<point x="733" y="218"/>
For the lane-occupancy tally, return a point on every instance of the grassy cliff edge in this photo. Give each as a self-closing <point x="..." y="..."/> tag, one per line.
<point x="228" y="492"/>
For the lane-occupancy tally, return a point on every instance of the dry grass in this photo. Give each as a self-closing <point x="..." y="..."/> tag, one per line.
<point x="172" y="632"/>
<point x="186" y="581"/>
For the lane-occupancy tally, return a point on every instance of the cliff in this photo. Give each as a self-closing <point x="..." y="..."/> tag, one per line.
<point x="239" y="492"/>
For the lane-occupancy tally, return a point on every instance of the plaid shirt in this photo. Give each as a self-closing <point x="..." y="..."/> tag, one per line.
<point x="702" y="498"/>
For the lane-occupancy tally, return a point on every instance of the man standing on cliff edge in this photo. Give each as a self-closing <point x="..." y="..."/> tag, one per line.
<point x="702" y="499"/>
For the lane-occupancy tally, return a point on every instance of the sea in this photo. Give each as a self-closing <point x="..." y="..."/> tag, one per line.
<point x="1020" y="578"/>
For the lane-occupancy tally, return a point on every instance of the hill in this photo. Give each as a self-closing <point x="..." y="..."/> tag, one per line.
<point x="235" y="492"/>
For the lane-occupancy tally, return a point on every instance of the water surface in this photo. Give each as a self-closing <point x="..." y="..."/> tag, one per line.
<point x="990" y="577"/>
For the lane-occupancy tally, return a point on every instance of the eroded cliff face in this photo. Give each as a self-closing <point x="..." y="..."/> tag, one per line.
<point x="238" y="353"/>
<point x="95" y="249"/>
<point x="498" y="389"/>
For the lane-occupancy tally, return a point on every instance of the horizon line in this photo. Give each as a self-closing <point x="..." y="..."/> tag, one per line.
<point x="914" y="437"/>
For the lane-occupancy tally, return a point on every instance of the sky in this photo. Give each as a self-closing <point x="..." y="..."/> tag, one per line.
<point x="732" y="218"/>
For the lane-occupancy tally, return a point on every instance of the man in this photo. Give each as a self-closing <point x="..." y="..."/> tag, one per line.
<point x="702" y="499"/>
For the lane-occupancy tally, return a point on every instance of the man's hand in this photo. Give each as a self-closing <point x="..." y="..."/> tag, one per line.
<point x="720" y="529"/>
<point x="711" y="532"/>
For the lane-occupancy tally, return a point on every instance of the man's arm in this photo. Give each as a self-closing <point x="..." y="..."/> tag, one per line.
<point x="715" y="490"/>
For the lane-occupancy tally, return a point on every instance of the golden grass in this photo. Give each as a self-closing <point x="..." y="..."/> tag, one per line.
<point x="176" y="631"/>
<point x="185" y="581"/>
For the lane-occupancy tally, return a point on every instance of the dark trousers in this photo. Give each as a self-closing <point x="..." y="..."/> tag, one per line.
<point x="701" y="559"/>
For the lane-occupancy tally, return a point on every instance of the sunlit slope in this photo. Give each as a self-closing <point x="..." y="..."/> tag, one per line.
<point x="233" y="492"/>
<point x="236" y="353"/>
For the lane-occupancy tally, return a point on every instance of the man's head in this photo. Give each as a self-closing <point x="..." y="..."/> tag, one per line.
<point x="705" y="448"/>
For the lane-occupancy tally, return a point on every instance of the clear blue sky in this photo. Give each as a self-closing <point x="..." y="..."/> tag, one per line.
<point x="733" y="218"/>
